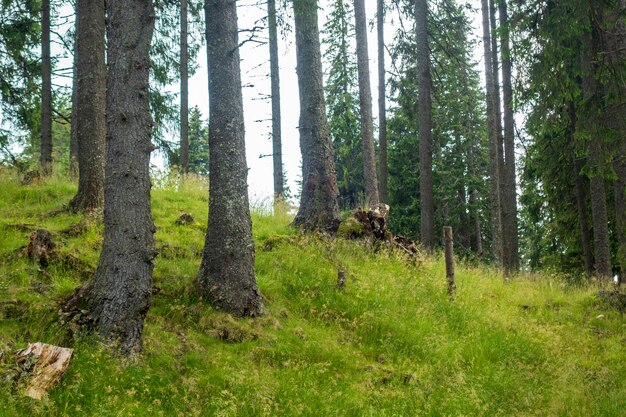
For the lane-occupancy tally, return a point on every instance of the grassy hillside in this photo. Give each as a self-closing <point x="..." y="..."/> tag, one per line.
<point x="391" y="344"/>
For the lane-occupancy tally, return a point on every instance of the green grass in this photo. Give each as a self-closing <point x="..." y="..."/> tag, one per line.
<point x="391" y="344"/>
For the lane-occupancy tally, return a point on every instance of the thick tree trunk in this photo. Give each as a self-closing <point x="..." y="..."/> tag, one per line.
<point x="319" y="209"/>
<point x="427" y="206"/>
<point x="184" y="89"/>
<point x="596" y="152"/>
<point x="118" y="297"/>
<point x="226" y="275"/>
<point x="620" y="210"/>
<point x="90" y="103"/>
<point x="509" y="197"/>
<point x="46" y="91"/>
<point x="277" y="152"/>
<point x="365" y="106"/>
<point x="494" y="171"/>
<point x="382" y="106"/>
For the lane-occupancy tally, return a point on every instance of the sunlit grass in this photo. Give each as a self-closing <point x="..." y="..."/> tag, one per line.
<point x="390" y="344"/>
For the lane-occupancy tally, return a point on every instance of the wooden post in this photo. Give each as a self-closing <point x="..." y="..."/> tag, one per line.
<point x="449" y="245"/>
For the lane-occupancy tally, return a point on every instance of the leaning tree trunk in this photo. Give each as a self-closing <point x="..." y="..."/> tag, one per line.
<point x="118" y="297"/>
<point x="226" y="277"/>
<point x="427" y="206"/>
<point x="365" y="107"/>
<point x="184" y="89"/>
<point x="90" y="103"/>
<point x="382" y="107"/>
<point x="319" y="208"/>
<point x="494" y="171"/>
<point x="509" y="196"/>
<point x="277" y="153"/>
<point x="46" y="91"/>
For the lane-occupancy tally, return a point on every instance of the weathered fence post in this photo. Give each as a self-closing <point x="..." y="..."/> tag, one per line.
<point x="449" y="251"/>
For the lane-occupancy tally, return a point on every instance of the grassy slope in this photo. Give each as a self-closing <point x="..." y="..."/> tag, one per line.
<point x="390" y="345"/>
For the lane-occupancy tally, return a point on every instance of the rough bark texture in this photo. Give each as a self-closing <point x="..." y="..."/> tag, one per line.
<point x="620" y="210"/>
<point x="494" y="171"/>
<point x="596" y="152"/>
<point x="46" y="91"/>
<point x="118" y="297"/>
<point x="365" y="106"/>
<point x="90" y="103"/>
<point x="73" y="138"/>
<point x="382" y="106"/>
<point x="427" y="205"/>
<point x="277" y="152"/>
<point x="319" y="208"/>
<point x="226" y="277"/>
<point x="184" y="89"/>
<point x="509" y="197"/>
<point x="581" y="196"/>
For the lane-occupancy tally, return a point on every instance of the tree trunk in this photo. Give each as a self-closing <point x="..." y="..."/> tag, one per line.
<point x="509" y="197"/>
<point x="90" y="104"/>
<point x="46" y="91"/>
<point x="494" y="171"/>
<point x="365" y="106"/>
<point x="382" y="107"/>
<point x="427" y="206"/>
<point x="319" y="209"/>
<point x="620" y="210"/>
<point x="277" y="152"/>
<point x="596" y="158"/>
<point x="184" y="89"/>
<point x="118" y="297"/>
<point x="581" y="197"/>
<point x="226" y="276"/>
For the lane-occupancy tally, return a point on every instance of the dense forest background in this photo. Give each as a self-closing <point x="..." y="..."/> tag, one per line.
<point x="517" y="142"/>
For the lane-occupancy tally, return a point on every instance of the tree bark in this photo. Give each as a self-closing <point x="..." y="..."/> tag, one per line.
<point x="382" y="106"/>
<point x="427" y="206"/>
<point x="319" y="208"/>
<point x="277" y="153"/>
<point x="90" y="104"/>
<point x="73" y="138"/>
<point x="494" y="171"/>
<point x="46" y="91"/>
<point x="118" y="297"/>
<point x="581" y="196"/>
<point x="365" y="106"/>
<point x="509" y="197"/>
<point x="184" y="89"/>
<point x="596" y="152"/>
<point x="226" y="276"/>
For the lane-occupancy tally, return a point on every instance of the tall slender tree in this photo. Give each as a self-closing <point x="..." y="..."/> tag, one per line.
<point x="88" y="114"/>
<point x="319" y="209"/>
<point x="365" y="106"/>
<point x="277" y="152"/>
<point x="46" y="90"/>
<point x="184" y="88"/>
<point x="494" y="171"/>
<point x="226" y="276"/>
<point x="118" y="297"/>
<point x="427" y="205"/>
<point x="509" y="197"/>
<point x="382" y="105"/>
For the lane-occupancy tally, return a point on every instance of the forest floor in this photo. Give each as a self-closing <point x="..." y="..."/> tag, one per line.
<point x="390" y="344"/>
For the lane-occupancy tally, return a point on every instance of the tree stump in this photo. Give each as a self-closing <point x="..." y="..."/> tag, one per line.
<point x="41" y="247"/>
<point x="46" y="364"/>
